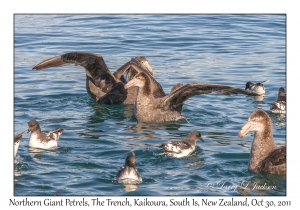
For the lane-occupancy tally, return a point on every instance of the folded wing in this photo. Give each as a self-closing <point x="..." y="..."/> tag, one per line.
<point x="175" y="146"/>
<point x="275" y="162"/>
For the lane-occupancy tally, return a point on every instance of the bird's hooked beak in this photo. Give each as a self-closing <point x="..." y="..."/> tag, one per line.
<point x="23" y="132"/>
<point x="146" y="66"/>
<point x="245" y="129"/>
<point x="130" y="160"/>
<point x="29" y="128"/>
<point x="201" y="138"/>
<point x="149" y="68"/>
<point x="131" y="83"/>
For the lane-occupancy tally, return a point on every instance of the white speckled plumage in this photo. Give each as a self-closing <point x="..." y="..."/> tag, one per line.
<point x="40" y="139"/>
<point x="279" y="106"/>
<point x="182" y="148"/>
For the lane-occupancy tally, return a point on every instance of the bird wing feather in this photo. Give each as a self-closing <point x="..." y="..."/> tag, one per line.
<point x="177" y="97"/>
<point x="93" y="63"/>
<point x="175" y="146"/>
<point x="17" y="138"/>
<point x="275" y="162"/>
<point x="54" y="134"/>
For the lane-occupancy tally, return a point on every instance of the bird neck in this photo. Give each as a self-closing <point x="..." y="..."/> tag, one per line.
<point x="262" y="145"/>
<point x="144" y="97"/>
<point x="128" y="168"/>
<point x="189" y="142"/>
<point x="37" y="131"/>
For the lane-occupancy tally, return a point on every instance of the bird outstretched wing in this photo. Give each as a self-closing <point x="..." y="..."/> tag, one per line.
<point x="176" y="98"/>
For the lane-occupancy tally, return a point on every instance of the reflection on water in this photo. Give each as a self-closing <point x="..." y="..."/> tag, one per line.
<point x="16" y="172"/>
<point x="37" y="153"/>
<point x="114" y="111"/>
<point x="151" y="128"/>
<point x="278" y="119"/>
<point x="258" y="98"/>
<point x="260" y="185"/>
<point x="197" y="163"/>
<point x="130" y="188"/>
<point x="130" y="185"/>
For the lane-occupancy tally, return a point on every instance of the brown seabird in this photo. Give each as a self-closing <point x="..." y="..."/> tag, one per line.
<point x="265" y="156"/>
<point x="101" y="84"/>
<point x="152" y="104"/>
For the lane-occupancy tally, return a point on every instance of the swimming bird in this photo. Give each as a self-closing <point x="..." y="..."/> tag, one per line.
<point x="40" y="139"/>
<point x="101" y="84"/>
<point x="152" y="104"/>
<point x="265" y="156"/>
<point x="279" y="106"/>
<point x="257" y="88"/>
<point x="128" y="173"/>
<point x="182" y="148"/>
<point x="17" y="141"/>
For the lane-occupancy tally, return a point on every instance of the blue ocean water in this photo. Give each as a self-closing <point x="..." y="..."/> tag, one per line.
<point x="221" y="49"/>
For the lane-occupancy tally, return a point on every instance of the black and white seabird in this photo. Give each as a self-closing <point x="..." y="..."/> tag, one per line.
<point x="279" y="106"/>
<point x="40" y="139"/>
<point x="256" y="88"/>
<point x="128" y="174"/>
<point x="17" y="141"/>
<point x="182" y="148"/>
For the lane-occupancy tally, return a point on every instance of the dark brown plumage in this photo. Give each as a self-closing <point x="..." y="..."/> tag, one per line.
<point x="265" y="156"/>
<point x="101" y="84"/>
<point x="281" y="94"/>
<point x="152" y="104"/>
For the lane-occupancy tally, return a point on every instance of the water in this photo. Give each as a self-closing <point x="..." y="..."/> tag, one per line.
<point x="222" y="49"/>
